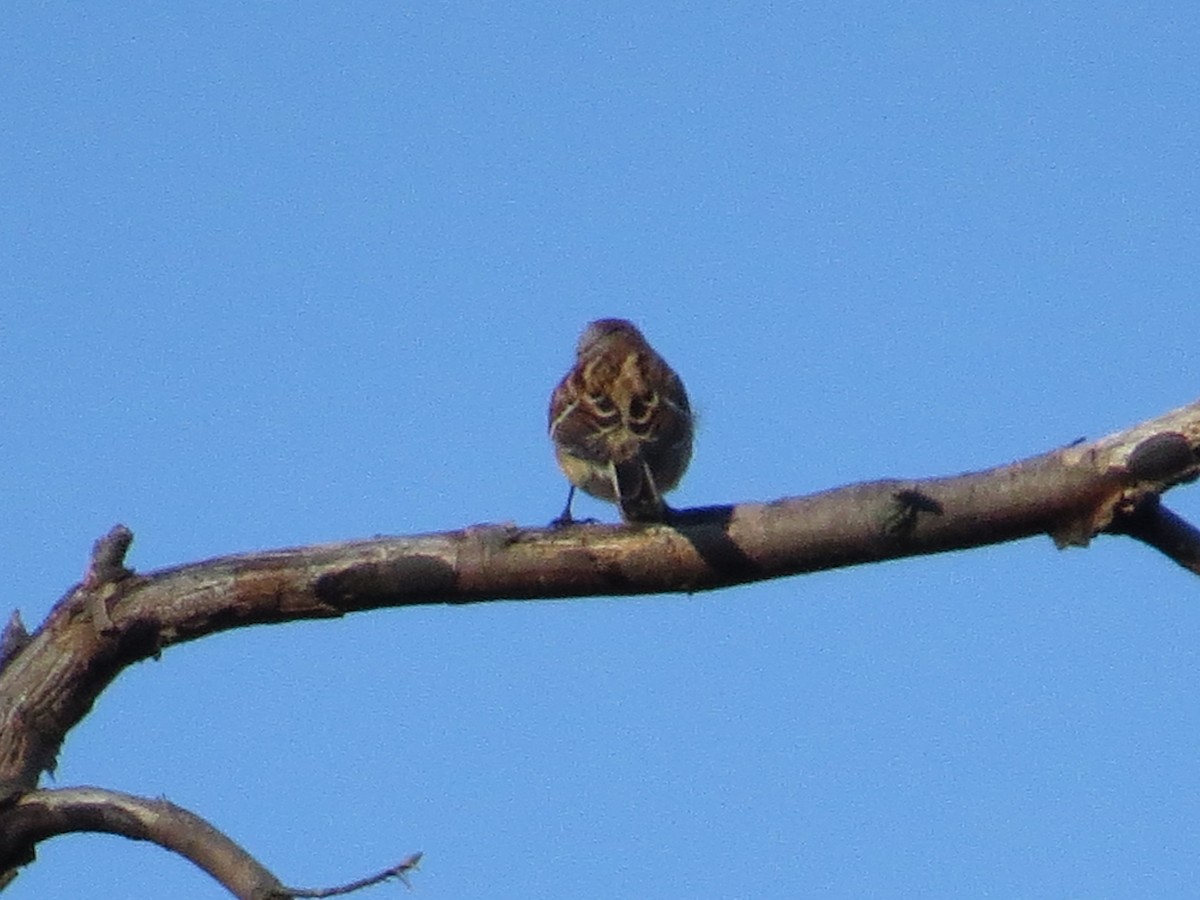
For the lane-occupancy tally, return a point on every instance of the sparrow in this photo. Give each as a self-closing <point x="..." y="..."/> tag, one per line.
<point x="620" y="423"/>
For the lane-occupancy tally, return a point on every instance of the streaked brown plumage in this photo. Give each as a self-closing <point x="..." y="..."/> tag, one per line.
<point x="621" y="423"/>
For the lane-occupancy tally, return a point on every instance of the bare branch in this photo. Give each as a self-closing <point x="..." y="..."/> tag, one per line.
<point x="116" y="617"/>
<point x="400" y="871"/>
<point x="42" y="814"/>
<point x="1155" y="525"/>
<point x="104" y="625"/>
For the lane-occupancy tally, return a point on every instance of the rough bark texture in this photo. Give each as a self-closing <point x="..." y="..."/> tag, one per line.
<point x="50" y="679"/>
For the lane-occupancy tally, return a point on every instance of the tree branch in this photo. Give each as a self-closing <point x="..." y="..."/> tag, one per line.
<point x="400" y="871"/>
<point x="1155" y="525"/>
<point x="43" y="814"/>
<point x="115" y="617"/>
<point x="39" y="815"/>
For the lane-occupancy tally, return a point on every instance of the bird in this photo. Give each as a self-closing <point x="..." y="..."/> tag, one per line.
<point x="621" y="423"/>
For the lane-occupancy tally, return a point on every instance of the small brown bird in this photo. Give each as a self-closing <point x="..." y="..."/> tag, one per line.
<point x="621" y="423"/>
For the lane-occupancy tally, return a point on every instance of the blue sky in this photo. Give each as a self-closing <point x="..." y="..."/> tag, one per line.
<point x="282" y="274"/>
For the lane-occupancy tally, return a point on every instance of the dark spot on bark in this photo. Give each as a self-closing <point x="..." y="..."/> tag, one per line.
<point x="416" y="579"/>
<point x="1160" y="455"/>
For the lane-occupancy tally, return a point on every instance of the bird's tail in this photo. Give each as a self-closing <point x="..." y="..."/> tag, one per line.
<point x="637" y="494"/>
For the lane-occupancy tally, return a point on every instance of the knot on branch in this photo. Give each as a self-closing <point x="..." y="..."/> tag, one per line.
<point x="107" y="564"/>
<point x="14" y="639"/>
<point x="1166" y="455"/>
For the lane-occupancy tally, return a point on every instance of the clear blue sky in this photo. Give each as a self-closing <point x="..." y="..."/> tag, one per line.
<point x="278" y="274"/>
